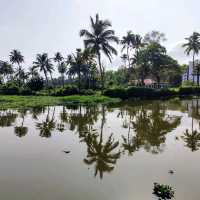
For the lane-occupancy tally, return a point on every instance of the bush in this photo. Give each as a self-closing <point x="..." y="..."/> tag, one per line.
<point x="189" y="91"/>
<point x="116" y="93"/>
<point x="26" y="91"/>
<point x="87" y="92"/>
<point x="66" y="91"/>
<point x="10" y="89"/>
<point x="167" y="92"/>
<point x="140" y="92"/>
<point x="35" y="84"/>
<point x="188" y="83"/>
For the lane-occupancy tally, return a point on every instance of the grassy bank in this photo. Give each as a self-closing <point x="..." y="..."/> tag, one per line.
<point x="33" y="101"/>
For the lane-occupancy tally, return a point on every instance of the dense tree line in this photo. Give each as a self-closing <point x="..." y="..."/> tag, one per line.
<point x="142" y="58"/>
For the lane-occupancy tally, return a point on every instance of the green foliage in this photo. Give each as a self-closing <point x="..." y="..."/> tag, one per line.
<point x="140" y="92"/>
<point x="87" y="92"/>
<point x="188" y="83"/>
<point x="189" y="91"/>
<point x="34" y="101"/>
<point x="35" y="83"/>
<point x="163" y="191"/>
<point x="10" y="89"/>
<point x="116" y="93"/>
<point x="66" y="91"/>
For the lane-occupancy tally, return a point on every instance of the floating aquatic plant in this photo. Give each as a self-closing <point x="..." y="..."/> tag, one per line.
<point x="163" y="192"/>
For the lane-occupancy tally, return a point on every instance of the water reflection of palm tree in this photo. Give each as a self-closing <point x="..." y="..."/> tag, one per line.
<point x="80" y="119"/>
<point x="7" y="118"/>
<point x="47" y="126"/>
<point x="22" y="130"/>
<point x="35" y="111"/>
<point x="153" y="125"/>
<point x="192" y="140"/>
<point x="99" y="153"/>
<point x="150" y="124"/>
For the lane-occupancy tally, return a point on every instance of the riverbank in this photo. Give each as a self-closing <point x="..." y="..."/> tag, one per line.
<point x="34" y="101"/>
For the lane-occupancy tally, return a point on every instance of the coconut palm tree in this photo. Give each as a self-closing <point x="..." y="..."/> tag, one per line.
<point x="42" y="63"/>
<point x="127" y="42"/>
<point x="98" y="41"/>
<point x="77" y="64"/>
<point x="137" y="44"/>
<point x="17" y="58"/>
<point x="58" y="58"/>
<point x="192" y="45"/>
<point x="62" y="69"/>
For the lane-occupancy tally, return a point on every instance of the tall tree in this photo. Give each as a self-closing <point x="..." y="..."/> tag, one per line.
<point x="58" y="57"/>
<point x="42" y="63"/>
<point x="77" y="64"/>
<point x="127" y="43"/>
<point x="98" y="40"/>
<point x="62" y="69"/>
<point x="17" y="58"/>
<point x="154" y="37"/>
<point x="192" y="45"/>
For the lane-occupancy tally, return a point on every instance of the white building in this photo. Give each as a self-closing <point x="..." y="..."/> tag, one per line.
<point x="189" y="74"/>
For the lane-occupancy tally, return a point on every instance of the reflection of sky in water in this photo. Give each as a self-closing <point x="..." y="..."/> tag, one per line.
<point x="34" y="167"/>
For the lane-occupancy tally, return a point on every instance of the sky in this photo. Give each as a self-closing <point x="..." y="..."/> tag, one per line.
<point x="37" y="26"/>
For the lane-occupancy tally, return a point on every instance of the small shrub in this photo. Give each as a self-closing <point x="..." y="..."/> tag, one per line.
<point x="10" y="89"/>
<point x="140" y="92"/>
<point x="189" y="91"/>
<point x="116" y="93"/>
<point x="66" y="91"/>
<point x="87" y="92"/>
<point x="188" y="83"/>
<point x="26" y="91"/>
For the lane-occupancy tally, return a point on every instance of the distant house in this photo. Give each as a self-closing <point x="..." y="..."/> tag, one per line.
<point x="189" y="73"/>
<point x="149" y="81"/>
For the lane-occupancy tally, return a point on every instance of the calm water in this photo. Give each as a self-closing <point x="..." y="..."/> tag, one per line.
<point x="95" y="153"/>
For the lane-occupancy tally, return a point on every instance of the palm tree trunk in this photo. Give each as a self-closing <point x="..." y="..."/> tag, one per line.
<point x="19" y="73"/>
<point x="79" y="79"/>
<point x="63" y="80"/>
<point x="101" y="72"/>
<point x="45" y="74"/>
<point x="193" y="68"/>
<point x="129" y="63"/>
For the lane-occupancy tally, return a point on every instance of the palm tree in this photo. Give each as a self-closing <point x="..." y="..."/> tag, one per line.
<point x="137" y="44"/>
<point x="17" y="58"/>
<point x="192" y="45"/>
<point x="127" y="42"/>
<point x="58" y="58"/>
<point x="77" y="64"/>
<point x="42" y="63"/>
<point x="6" y="69"/>
<point x="98" y="40"/>
<point x="62" y="69"/>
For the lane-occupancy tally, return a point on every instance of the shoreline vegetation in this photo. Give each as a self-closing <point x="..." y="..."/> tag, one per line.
<point x="109" y="97"/>
<point x="83" y="76"/>
<point x="18" y="102"/>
